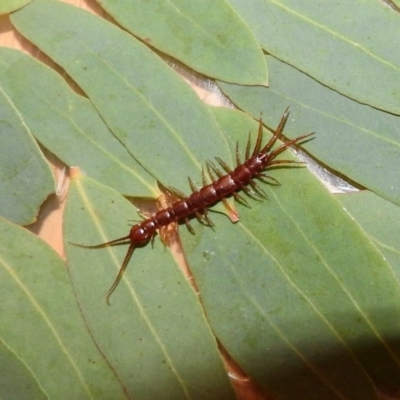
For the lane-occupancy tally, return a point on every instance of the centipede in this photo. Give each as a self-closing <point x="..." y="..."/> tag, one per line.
<point x="224" y="184"/>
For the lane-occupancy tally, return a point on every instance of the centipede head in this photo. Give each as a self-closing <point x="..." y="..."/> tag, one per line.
<point x="138" y="237"/>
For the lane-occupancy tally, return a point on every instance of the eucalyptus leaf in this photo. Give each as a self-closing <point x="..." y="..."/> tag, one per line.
<point x="147" y="106"/>
<point x="296" y="290"/>
<point x="351" y="47"/>
<point x="45" y="341"/>
<point x="7" y="6"/>
<point x="206" y="35"/>
<point x="68" y="125"/>
<point x="25" y="177"/>
<point x="154" y="335"/>
<point x="361" y="143"/>
<point x="379" y="219"/>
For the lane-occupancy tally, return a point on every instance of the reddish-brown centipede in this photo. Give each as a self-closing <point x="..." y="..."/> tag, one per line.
<point x="223" y="185"/>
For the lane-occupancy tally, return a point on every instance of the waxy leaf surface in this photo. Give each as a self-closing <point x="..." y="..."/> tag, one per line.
<point x="147" y="106"/>
<point x="295" y="289"/>
<point x="46" y="349"/>
<point x="206" y="35"/>
<point x="25" y="177"/>
<point x="359" y="142"/>
<point x="154" y="334"/>
<point x="68" y="125"/>
<point x="351" y="47"/>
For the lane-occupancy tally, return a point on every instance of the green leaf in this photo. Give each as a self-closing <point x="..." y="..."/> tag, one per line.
<point x="68" y="125"/>
<point x="25" y="177"/>
<point x="351" y="47"/>
<point x="148" y="107"/>
<point x="45" y="342"/>
<point x="207" y="36"/>
<point x="295" y="289"/>
<point x="12" y="367"/>
<point x="359" y="142"/>
<point x="7" y="6"/>
<point x="379" y="219"/>
<point x="154" y="334"/>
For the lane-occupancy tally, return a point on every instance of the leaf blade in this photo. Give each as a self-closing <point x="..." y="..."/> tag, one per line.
<point x="359" y="142"/>
<point x="131" y="76"/>
<point x="333" y="47"/>
<point x="296" y="304"/>
<point x="68" y="125"/>
<point x="200" y="34"/>
<point x="153" y="303"/>
<point x="25" y="177"/>
<point x="35" y="288"/>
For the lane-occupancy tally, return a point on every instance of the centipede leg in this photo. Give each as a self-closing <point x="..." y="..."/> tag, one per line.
<point x="213" y="169"/>
<point x="224" y="165"/>
<point x="241" y="199"/>
<point x="276" y="135"/>
<point x="257" y="189"/>
<point x="248" y="145"/>
<point x="202" y="216"/>
<point x="257" y="146"/>
<point x="206" y="216"/>
<point x="189" y="226"/>
<point x="267" y="179"/>
<point x="238" y="161"/>
<point x="192" y="185"/>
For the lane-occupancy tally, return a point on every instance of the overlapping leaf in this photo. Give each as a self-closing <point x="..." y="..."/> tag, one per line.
<point x="44" y="340"/>
<point x="295" y="289"/>
<point x="361" y="143"/>
<point x="154" y="334"/>
<point x="351" y="47"/>
<point x="306" y="296"/>
<point x="207" y="36"/>
<point x="146" y="105"/>
<point x="7" y="6"/>
<point x="25" y="177"/>
<point x="380" y="220"/>
<point x="68" y="125"/>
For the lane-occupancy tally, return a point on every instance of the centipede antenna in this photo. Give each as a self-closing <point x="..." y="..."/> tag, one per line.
<point x="120" y="272"/>
<point x="121" y="240"/>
